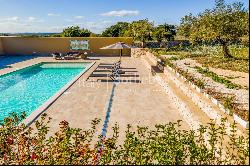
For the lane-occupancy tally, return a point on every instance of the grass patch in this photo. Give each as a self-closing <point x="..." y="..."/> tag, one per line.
<point x="217" y="78"/>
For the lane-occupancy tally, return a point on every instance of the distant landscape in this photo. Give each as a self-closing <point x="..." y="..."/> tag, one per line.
<point x="45" y="34"/>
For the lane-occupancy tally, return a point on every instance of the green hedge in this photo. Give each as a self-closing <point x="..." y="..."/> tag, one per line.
<point x="163" y="144"/>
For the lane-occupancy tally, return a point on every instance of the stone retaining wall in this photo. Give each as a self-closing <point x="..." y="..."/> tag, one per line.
<point x="204" y="106"/>
<point x="137" y="52"/>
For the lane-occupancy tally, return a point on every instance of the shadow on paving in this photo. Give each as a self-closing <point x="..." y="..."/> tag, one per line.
<point x="103" y="71"/>
<point x="127" y="81"/>
<point x="7" y="60"/>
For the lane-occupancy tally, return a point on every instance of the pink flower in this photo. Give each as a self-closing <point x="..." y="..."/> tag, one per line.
<point x="33" y="156"/>
<point x="10" y="140"/>
<point x="5" y="157"/>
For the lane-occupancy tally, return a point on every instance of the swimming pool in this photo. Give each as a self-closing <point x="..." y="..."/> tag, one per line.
<point x="26" y="89"/>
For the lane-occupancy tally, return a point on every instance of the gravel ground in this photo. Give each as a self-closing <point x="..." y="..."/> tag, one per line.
<point x="241" y="95"/>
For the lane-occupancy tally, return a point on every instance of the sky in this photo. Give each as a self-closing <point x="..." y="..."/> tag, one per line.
<point x="20" y="16"/>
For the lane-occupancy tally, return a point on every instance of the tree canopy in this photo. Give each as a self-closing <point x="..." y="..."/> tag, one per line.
<point x="75" y="31"/>
<point x="141" y="30"/>
<point x="224" y="23"/>
<point x="164" y="32"/>
<point x="116" y="30"/>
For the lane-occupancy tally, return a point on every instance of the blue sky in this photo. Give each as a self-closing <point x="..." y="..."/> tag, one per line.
<point x="96" y="15"/>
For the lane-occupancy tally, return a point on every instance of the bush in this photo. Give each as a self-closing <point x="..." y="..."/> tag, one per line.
<point x="165" y="144"/>
<point x="217" y="78"/>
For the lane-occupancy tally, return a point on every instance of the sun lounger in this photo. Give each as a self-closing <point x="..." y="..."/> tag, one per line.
<point x="115" y="72"/>
<point x="71" y="55"/>
<point x="113" y="76"/>
<point x="57" y="55"/>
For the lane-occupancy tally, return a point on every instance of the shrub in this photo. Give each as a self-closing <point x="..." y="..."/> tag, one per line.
<point x="165" y="144"/>
<point x="198" y="82"/>
<point x="217" y="78"/>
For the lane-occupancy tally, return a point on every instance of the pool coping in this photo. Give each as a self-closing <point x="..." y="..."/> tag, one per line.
<point x="17" y="68"/>
<point x="42" y="108"/>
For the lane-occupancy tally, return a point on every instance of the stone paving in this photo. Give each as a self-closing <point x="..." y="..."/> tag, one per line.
<point x="144" y="103"/>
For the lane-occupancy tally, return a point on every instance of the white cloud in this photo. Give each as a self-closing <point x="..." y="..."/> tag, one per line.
<point x="34" y="19"/>
<point x="16" y="24"/>
<point x="31" y="24"/>
<point x="13" y="18"/>
<point x="78" y="17"/>
<point x="53" y="14"/>
<point x="10" y="19"/>
<point x="31" y="18"/>
<point x="121" y="13"/>
<point x="96" y="27"/>
<point x="18" y="27"/>
<point x="70" y="20"/>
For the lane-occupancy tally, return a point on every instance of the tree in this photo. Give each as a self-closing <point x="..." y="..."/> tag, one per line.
<point x="85" y="33"/>
<point x="140" y="30"/>
<point x="164" y="32"/>
<point x="224" y="23"/>
<point x="75" y="31"/>
<point x="55" y="35"/>
<point x="185" y="27"/>
<point x="116" y="30"/>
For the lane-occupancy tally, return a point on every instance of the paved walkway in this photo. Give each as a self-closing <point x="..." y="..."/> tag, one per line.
<point x="144" y="103"/>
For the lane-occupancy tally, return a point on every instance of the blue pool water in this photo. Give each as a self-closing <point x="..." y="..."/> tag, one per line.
<point x="27" y="89"/>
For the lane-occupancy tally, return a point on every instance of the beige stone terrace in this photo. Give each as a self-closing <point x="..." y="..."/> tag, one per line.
<point x="141" y="101"/>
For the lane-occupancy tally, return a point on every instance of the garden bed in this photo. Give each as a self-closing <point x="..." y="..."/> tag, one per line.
<point x="232" y="96"/>
<point x="211" y="56"/>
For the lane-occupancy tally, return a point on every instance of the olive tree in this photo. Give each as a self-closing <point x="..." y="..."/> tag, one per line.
<point x="116" y="30"/>
<point x="140" y="30"/>
<point x="224" y="23"/>
<point x="164" y="32"/>
<point x="75" y="31"/>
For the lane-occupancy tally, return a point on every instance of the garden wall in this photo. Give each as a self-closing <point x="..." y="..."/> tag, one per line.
<point x="1" y="47"/>
<point x="47" y="45"/>
<point x="154" y="44"/>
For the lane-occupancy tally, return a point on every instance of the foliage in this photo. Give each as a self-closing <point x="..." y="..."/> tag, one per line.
<point x="224" y="63"/>
<point x="227" y="102"/>
<point x="117" y="30"/>
<point x="224" y="23"/>
<point x="141" y="30"/>
<point x="55" y="35"/>
<point x="75" y="31"/>
<point x="186" y="24"/>
<point x="245" y="40"/>
<point x="196" y="81"/>
<point x="164" y="32"/>
<point x="165" y="144"/>
<point x="4" y="34"/>
<point x="217" y="78"/>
